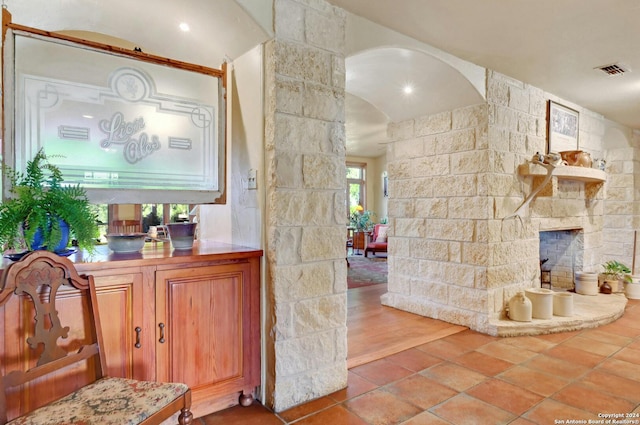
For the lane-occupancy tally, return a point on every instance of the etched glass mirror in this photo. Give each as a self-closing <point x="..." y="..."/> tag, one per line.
<point x="128" y="130"/>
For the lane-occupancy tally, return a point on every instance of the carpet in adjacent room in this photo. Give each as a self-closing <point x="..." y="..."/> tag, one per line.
<point x="364" y="271"/>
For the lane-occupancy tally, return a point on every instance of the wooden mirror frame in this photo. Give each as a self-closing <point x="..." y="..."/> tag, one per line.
<point x="117" y="195"/>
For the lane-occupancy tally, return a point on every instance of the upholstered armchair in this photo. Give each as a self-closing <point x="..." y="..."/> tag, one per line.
<point x="378" y="241"/>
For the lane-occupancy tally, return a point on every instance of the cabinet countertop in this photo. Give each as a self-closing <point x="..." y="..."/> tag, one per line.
<point x="156" y="253"/>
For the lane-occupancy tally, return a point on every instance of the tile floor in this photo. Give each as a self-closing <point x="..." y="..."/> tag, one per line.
<point x="471" y="378"/>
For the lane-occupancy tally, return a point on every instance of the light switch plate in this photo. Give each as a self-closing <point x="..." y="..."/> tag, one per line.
<point x="252" y="179"/>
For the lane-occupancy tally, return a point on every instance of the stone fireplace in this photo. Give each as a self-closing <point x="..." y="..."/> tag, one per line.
<point x="457" y="251"/>
<point x="561" y="255"/>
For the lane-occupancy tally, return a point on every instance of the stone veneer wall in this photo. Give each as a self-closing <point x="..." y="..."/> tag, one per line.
<point x="453" y="177"/>
<point x="306" y="347"/>
<point x="622" y="205"/>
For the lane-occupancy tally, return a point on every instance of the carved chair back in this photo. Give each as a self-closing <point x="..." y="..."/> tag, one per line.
<point x="37" y="281"/>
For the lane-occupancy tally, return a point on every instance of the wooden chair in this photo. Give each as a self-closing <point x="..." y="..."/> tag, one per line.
<point x="126" y="226"/>
<point x="38" y="280"/>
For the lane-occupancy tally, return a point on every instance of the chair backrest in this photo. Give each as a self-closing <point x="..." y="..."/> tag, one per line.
<point x="36" y="289"/>
<point x="376" y="231"/>
<point x="126" y="226"/>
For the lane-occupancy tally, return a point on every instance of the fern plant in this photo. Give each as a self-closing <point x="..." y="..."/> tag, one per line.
<point x="38" y="198"/>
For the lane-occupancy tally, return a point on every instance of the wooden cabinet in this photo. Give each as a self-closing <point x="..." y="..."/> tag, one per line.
<point x="167" y="317"/>
<point x="360" y="239"/>
<point x="208" y="330"/>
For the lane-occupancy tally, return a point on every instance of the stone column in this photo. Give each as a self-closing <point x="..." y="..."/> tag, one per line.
<point x="305" y="207"/>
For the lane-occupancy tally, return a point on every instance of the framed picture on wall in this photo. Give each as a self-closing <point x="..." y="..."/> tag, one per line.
<point x="562" y="128"/>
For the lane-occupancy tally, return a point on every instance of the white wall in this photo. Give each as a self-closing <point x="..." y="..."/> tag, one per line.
<point x="239" y="222"/>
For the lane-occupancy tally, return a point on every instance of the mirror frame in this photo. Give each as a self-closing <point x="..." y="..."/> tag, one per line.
<point x="111" y="196"/>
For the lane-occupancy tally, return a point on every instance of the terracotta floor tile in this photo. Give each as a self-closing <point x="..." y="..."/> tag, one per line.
<point x="533" y="380"/>
<point x="307" y="408"/>
<point x="576" y="355"/>
<point x="333" y="415"/>
<point x="621" y="368"/>
<point x="463" y="410"/>
<point x="469" y="339"/>
<point x="356" y="385"/>
<point x="550" y="411"/>
<point x="455" y="376"/>
<point x="443" y="349"/>
<point x="381" y="372"/>
<point x="502" y="350"/>
<point x="620" y="329"/>
<point x="414" y="359"/>
<point x="530" y="343"/>
<point x="628" y="355"/>
<point x="505" y="396"/>
<point x="607" y="337"/>
<point x="615" y="385"/>
<point x="631" y="322"/>
<point x="238" y="415"/>
<point x="483" y="363"/>
<point x="562" y="368"/>
<point x="557" y="337"/>
<point x="421" y="391"/>
<point x="426" y="418"/>
<point x="591" y="345"/>
<point x="522" y="421"/>
<point x="592" y="400"/>
<point x="381" y="408"/>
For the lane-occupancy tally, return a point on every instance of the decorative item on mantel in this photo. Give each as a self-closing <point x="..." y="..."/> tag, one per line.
<point x="577" y="158"/>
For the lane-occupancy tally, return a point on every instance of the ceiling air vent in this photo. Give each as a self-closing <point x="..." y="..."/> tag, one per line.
<point x="614" y="69"/>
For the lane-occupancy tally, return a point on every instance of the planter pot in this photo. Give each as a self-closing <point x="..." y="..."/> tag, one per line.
<point x="632" y="290"/>
<point x="586" y="283"/>
<point x="541" y="302"/>
<point x="37" y="242"/>
<point x="563" y="304"/>
<point x="614" y="284"/>
<point x="182" y="234"/>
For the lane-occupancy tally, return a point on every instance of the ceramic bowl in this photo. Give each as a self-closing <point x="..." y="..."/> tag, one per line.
<point x="126" y="242"/>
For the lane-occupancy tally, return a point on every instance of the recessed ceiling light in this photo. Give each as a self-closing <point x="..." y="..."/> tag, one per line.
<point x="407" y="89"/>
<point x="87" y="116"/>
<point x="184" y="26"/>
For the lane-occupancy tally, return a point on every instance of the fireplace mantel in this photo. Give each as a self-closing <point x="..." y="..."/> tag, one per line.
<point x="567" y="172"/>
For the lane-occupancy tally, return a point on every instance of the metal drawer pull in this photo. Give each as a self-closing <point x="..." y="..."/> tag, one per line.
<point x="161" y="325"/>
<point x="138" y="330"/>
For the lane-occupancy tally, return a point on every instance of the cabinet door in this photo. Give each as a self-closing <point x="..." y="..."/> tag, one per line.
<point x="205" y="328"/>
<point x="129" y="343"/>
